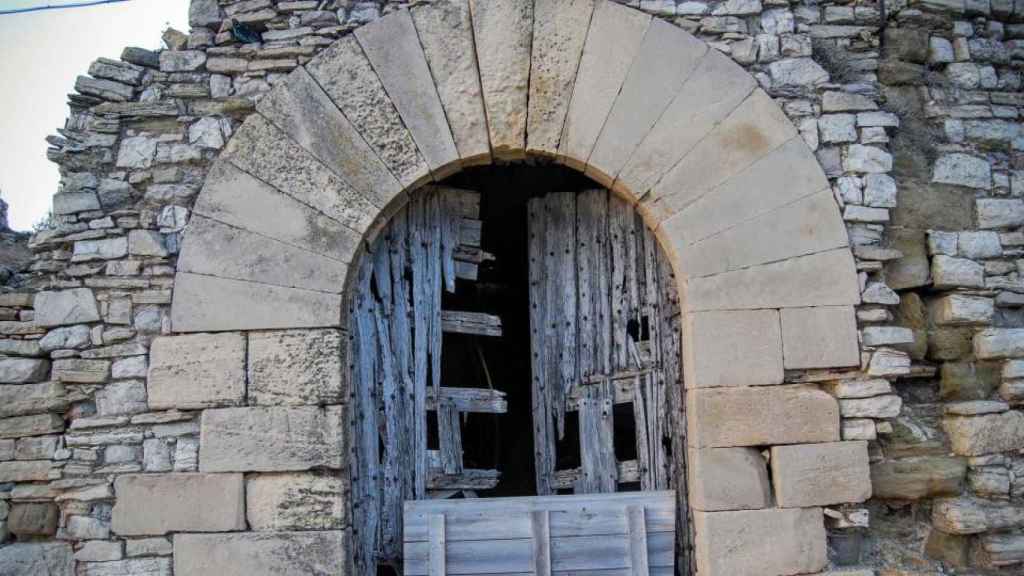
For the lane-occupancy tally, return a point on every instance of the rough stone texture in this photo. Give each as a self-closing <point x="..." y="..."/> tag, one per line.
<point x="820" y="474"/>
<point x="261" y="554"/>
<point x="347" y="77"/>
<point x="820" y="337"/>
<point x="296" y="502"/>
<point x="612" y="43"/>
<point x="735" y="542"/>
<point x="23" y="370"/>
<point x="728" y="479"/>
<point x="38" y="425"/>
<point x="197" y="371"/>
<point x="503" y="32"/>
<point x="79" y="371"/>
<point x="761" y="416"/>
<point x="997" y="343"/>
<point x="967" y="515"/>
<point x="65" y="307"/>
<point x="446" y="34"/>
<point x="178" y="503"/>
<point x="961" y="310"/>
<point x="37" y="559"/>
<point x="28" y="519"/>
<point x="987" y="434"/>
<point x="270" y="439"/>
<point x="296" y="367"/>
<point x="393" y="48"/>
<point x="131" y="567"/>
<point x="733" y="348"/>
<point x="27" y="471"/>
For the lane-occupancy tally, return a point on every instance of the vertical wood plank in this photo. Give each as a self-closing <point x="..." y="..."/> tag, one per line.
<point x="449" y="434"/>
<point x="438" y="546"/>
<point x="401" y="334"/>
<point x="643" y="439"/>
<point x="367" y="447"/>
<point x="543" y="437"/>
<point x="541" y="530"/>
<point x="434" y="265"/>
<point x="560" y="235"/>
<point x="618" y="217"/>
<point x="637" y="540"/>
<point x="450" y="220"/>
<point x="421" y="321"/>
<point x="598" y="468"/>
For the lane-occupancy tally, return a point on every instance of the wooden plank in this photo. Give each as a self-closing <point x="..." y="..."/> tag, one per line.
<point x="438" y="546"/>
<point x="554" y="502"/>
<point x="449" y="432"/>
<point x="468" y="479"/>
<point x="643" y="439"/>
<point x="543" y="434"/>
<point x="541" y="542"/>
<point x="478" y="400"/>
<point x="478" y="323"/>
<point x="587" y="261"/>
<point x="421" y="321"/>
<point x="401" y="335"/>
<point x="637" y="540"/>
<point x="599" y="471"/>
<point x="628" y="472"/>
<point x="466" y="271"/>
<point x="449" y="222"/>
<point x="470" y="232"/>
<point x="433" y="220"/>
<point x="367" y="485"/>
<point x="620" y="219"/>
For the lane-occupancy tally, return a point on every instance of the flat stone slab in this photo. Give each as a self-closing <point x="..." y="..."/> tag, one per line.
<point x="446" y="33"/>
<point x="271" y="439"/>
<point x="25" y="471"/>
<point x="503" y="32"/>
<point x="63" y="307"/>
<point x="728" y="479"/>
<point x="24" y="399"/>
<point x="133" y="566"/>
<point x="197" y="371"/>
<point x="297" y="367"/>
<point x="967" y="515"/>
<point x="916" y="478"/>
<point x="985" y="434"/>
<point x="81" y="370"/>
<point x="23" y="370"/>
<point x="296" y="501"/>
<point x="733" y="348"/>
<point x="261" y="553"/>
<point x="761" y="415"/>
<point x="819" y="337"/>
<point x="37" y="559"/>
<point x="773" y="542"/>
<point x="38" y="425"/>
<point x="155" y="504"/>
<point x="820" y="474"/>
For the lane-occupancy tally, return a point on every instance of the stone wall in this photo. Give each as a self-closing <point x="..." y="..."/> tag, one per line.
<point x="913" y="114"/>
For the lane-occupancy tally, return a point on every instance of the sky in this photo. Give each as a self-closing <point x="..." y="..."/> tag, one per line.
<point x="41" y="54"/>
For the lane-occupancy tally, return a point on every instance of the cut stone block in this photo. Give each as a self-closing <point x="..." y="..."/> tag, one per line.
<point x="966" y="515"/>
<point x="81" y="371"/>
<point x="348" y="78"/>
<point x="38" y="425"/>
<point x="559" y="31"/>
<point x="271" y="439"/>
<point x="887" y="406"/>
<point x="133" y="566"/>
<point x="37" y="558"/>
<point x="216" y="249"/>
<point x="667" y="57"/>
<point x="949" y="272"/>
<point x="824" y="279"/>
<point x="27" y="519"/>
<point x="613" y="42"/>
<point x="261" y="554"/>
<point x="446" y="33"/>
<point x="806" y="226"/>
<point x="503" y="31"/>
<point x="205" y="303"/>
<point x="155" y="504"/>
<point x="23" y="370"/>
<point x="758" y="416"/>
<point x="986" y="434"/>
<point x="858" y="388"/>
<point x="776" y="542"/>
<point x="393" y="48"/>
<point x="63" y="307"/>
<point x="26" y="399"/>
<point x="820" y="337"/>
<point x="99" y="551"/>
<point x="197" y="371"/>
<point x="25" y="471"/>
<point x="917" y="478"/>
<point x="962" y="310"/>
<point x="296" y="501"/>
<point x="733" y="348"/>
<point x="728" y="479"/>
<point x="296" y="367"/>
<point x="820" y="474"/>
<point x="300" y="108"/>
<point x="233" y="197"/>
<point x="999" y="343"/>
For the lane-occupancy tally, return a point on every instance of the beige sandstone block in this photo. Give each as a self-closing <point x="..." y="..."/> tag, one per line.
<point x="296" y="501"/>
<point x="749" y="133"/>
<point x="446" y="34"/>
<point x="296" y="367"/>
<point x="823" y="279"/>
<point x="394" y="51"/>
<point x="559" y="31"/>
<point x="235" y="198"/>
<point x="216" y="249"/>
<point x="503" y="31"/>
<point x="263" y="150"/>
<point x="710" y="93"/>
<point x="787" y="174"/>
<point x="196" y="371"/>
<point x="820" y="474"/>
<point x="807" y="226"/>
<point x="759" y="416"/>
<point x="301" y="109"/>
<point x="613" y="42"/>
<point x="728" y="479"/>
<point x="987" y="434"/>
<point x="205" y="303"/>
<point x="916" y="478"/>
<point x="772" y="542"/>
<point x="154" y="504"/>
<point x="271" y="439"/>
<point x="820" y="337"/>
<point x="667" y="57"/>
<point x="261" y="554"/>
<point x="348" y="78"/>
<point x="733" y="348"/>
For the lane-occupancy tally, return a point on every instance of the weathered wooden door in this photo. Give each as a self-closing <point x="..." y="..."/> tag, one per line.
<point x="605" y="334"/>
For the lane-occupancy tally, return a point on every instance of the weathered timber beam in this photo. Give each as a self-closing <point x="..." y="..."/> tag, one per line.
<point x="477" y="323"/>
<point x="629" y="471"/>
<point x="482" y="400"/>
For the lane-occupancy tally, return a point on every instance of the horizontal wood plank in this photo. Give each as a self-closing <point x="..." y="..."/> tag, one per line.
<point x="478" y="323"/>
<point x="482" y="400"/>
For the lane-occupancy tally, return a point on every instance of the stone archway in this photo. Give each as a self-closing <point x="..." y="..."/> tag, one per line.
<point x="737" y="200"/>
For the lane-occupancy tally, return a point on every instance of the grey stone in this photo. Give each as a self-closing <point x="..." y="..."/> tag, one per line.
<point x="860" y="158"/>
<point x="204" y="13"/>
<point x="968" y="515"/>
<point x="270" y="439"/>
<point x="917" y="478"/>
<point x="156" y="455"/>
<point x="98" y="551"/>
<point x="296" y="501"/>
<point x="23" y="370"/>
<point x="70" y="337"/>
<point x="57" y="308"/>
<point x="74" y="202"/>
<point x="316" y="553"/>
<point x="130" y="567"/>
<point x="181" y="60"/>
<point x="86" y="528"/>
<point x="25" y="471"/>
<point x="998" y="343"/>
<point x="296" y="367"/>
<point x="105" y="249"/>
<point x="949" y="272"/>
<point x="37" y="559"/>
<point x="121" y="398"/>
<point x="206" y="133"/>
<point x="197" y="371"/>
<point x="963" y="170"/>
<point x="104" y="89"/>
<point x="984" y="434"/>
<point x="20" y="347"/>
<point x="37" y="425"/>
<point x="886" y="335"/>
<point x="796" y="74"/>
<point x="136" y="152"/>
<point x="178" y="502"/>
<point x="887" y="406"/>
<point x="880" y="190"/>
<point x="25" y="399"/>
<point x="28" y="519"/>
<point x="999" y="212"/>
<point x="79" y="371"/>
<point x="148" y="547"/>
<point x="838" y="127"/>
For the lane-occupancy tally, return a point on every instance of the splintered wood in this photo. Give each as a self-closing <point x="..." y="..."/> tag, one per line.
<point x="604" y="322"/>
<point x="397" y="324"/>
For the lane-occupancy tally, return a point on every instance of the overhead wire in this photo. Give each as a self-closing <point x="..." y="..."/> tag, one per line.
<point x="85" y="4"/>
